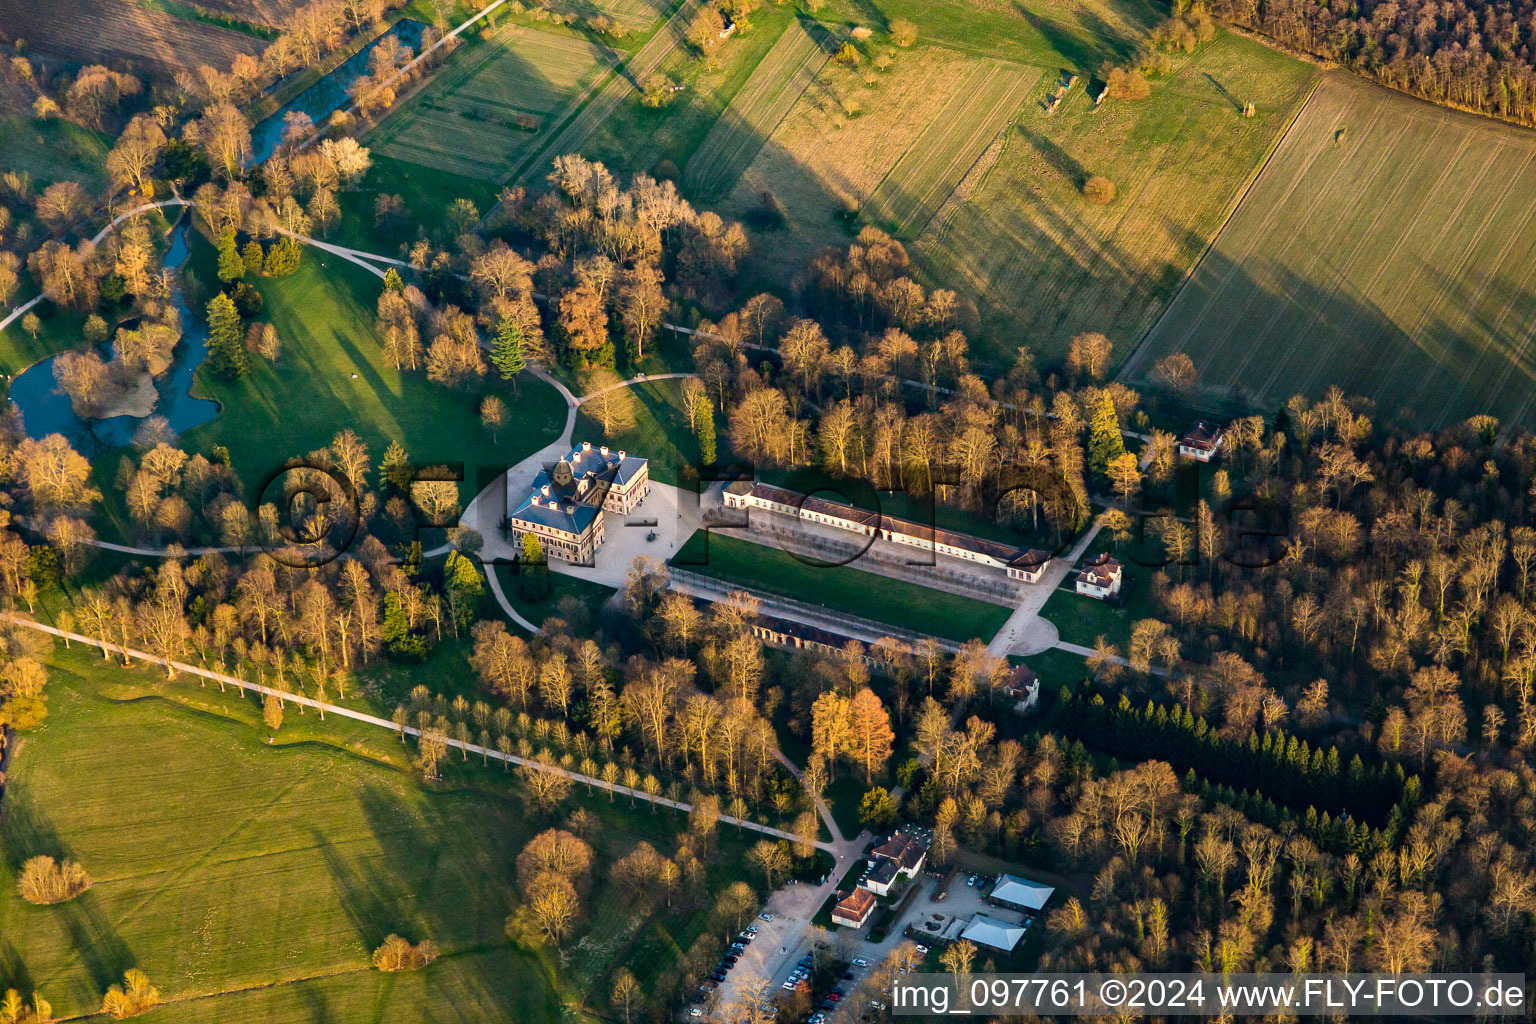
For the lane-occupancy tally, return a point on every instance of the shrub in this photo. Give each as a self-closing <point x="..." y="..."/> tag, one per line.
<point x="283" y="257"/>
<point x="247" y="300"/>
<point x="399" y="955"/>
<point x="1099" y="190"/>
<point x="44" y="881"/>
<point x="1127" y="85"/>
<point x="903" y="32"/>
<point x="133" y="997"/>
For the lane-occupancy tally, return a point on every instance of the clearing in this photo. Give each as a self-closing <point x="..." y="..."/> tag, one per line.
<point x="1388" y="249"/>
<point x="1044" y="264"/>
<point x="756" y="110"/>
<point x="492" y="104"/>
<point x="840" y="588"/>
<point x="658" y="429"/>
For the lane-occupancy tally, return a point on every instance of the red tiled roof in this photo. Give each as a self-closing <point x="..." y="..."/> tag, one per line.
<point x="856" y="904"/>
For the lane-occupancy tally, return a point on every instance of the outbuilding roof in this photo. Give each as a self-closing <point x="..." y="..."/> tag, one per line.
<point x="988" y="931"/>
<point x="1021" y="892"/>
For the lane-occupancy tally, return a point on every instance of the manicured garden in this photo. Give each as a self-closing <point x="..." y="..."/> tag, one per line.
<point x="840" y="588"/>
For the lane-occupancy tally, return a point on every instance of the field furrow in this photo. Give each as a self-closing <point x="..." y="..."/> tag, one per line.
<point x="924" y="177"/>
<point x="1399" y="281"/>
<point x="486" y="111"/>
<point x="757" y="109"/>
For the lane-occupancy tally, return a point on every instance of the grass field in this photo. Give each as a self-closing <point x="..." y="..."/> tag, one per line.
<point x="426" y="193"/>
<point x="252" y="881"/>
<point x="579" y="121"/>
<point x="756" y="110"/>
<point x="634" y="15"/>
<point x="633" y="137"/>
<point x="841" y="589"/>
<point x="1388" y="248"/>
<point x="838" y="143"/>
<point x="660" y="430"/>
<point x="1047" y="34"/>
<point x="53" y="150"/>
<point x="332" y="375"/>
<point x="1044" y="264"/>
<point x="927" y="173"/>
<point x="494" y="102"/>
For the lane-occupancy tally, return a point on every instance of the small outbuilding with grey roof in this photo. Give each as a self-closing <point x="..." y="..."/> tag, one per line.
<point x="1021" y="894"/>
<point x="994" y="934"/>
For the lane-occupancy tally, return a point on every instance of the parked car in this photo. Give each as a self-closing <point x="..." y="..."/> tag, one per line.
<point x="751" y="929"/>
<point x="835" y="997"/>
<point x="922" y="950"/>
<point x="860" y="962"/>
<point x="765" y="916"/>
<point x="971" y="880"/>
<point x="695" y="1012"/>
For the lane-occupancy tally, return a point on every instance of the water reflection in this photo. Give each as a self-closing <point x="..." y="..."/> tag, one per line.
<point x="46" y="411"/>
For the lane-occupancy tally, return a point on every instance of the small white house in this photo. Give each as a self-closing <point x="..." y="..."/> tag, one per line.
<point x="853" y="910"/>
<point x="1023" y="688"/>
<point x="1029" y="566"/>
<point x="1100" y="578"/>
<point x="1203" y="442"/>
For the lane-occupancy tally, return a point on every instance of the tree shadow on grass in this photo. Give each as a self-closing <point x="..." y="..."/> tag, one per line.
<point x="373" y="896"/>
<point x="30" y="833"/>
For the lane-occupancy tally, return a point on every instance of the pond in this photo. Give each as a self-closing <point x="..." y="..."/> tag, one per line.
<point x="330" y="93"/>
<point x="45" y="411"/>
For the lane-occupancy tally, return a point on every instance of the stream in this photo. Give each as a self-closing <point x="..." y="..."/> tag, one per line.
<point x="45" y="411"/>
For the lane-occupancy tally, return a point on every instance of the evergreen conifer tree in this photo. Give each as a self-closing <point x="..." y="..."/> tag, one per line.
<point x="1104" y="441"/>
<point x="231" y="263"/>
<point x="507" y="350"/>
<point x="226" y="338"/>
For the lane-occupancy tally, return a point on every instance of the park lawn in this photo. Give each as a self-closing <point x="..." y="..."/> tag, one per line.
<point x="1082" y="620"/>
<point x="53" y="150"/>
<point x="332" y="375"/>
<point x="60" y="331"/>
<point x="1042" y="263"/>
<point x="426" y="194"/>
<point x="222" y="866"/>
<point x="1404" y="280"/>
<point x="592" y="596"/>
<point x="840" y="588"/>
<point x="1056" y="669"/>
<point x="659" y="432"/>
<point x="844" y="797"/>
<point x="252" y="881"/>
